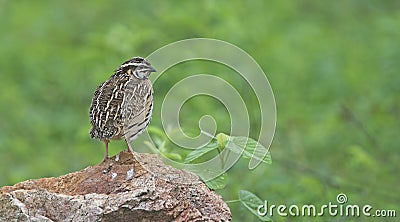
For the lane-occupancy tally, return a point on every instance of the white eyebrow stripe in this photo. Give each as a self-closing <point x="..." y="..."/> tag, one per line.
<point x="131" y="64"/>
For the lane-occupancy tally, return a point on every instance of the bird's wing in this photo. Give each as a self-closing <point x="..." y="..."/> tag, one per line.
<point x="136" y="107"/>
<point x="106" y="103"/>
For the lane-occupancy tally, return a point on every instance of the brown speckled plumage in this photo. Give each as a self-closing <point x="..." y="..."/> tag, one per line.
<point x="122" y="105"/>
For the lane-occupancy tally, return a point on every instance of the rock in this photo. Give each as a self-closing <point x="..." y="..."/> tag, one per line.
<point x="126" y="187"/>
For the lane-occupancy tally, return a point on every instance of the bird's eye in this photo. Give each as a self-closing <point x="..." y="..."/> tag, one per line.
<point x="142" y="67"/>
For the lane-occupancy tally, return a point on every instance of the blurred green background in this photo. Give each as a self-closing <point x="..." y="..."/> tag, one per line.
<point x="334" y="68"/>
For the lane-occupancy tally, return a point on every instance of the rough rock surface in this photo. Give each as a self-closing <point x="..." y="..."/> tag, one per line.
<point x="127" y="187"/>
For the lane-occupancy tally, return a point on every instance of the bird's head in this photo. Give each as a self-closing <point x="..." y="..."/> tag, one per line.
<point x="138" y="67"/>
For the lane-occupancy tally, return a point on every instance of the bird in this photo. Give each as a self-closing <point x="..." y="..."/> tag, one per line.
<point x="121" y="106"/>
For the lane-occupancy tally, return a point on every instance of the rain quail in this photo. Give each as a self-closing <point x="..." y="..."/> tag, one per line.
<point x="122" y="106"/>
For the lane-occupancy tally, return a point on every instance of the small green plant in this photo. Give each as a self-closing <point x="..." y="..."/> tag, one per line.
<point x="252" y="202"/>
<point x="246" y="147"/>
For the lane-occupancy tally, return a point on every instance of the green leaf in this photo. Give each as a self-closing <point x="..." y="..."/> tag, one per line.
<point x="217" y="183"/>
<point x="222" y="139"/>
<point x="156" y="131"/>
<point x="250" y="148"/>
<point x="173" y="156"/>
<point x="252" y="202"/>
<point x="200" y="152"/>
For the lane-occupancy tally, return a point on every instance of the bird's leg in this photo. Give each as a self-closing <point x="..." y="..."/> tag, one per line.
<point x="129" y="146"/>
<point x="106" y="154"/>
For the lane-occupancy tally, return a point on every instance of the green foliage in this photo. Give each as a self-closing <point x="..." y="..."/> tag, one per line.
<point x="197" y="153"/>
<point x="240" y="145"/>
<point x="249" y="148"/>
<point x="218" y="183"/>
<point x="333" y="67"/>
<point x="252" y="203"/>
<point x="160" y="141"/>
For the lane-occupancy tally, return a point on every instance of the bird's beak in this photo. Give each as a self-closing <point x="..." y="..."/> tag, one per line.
<point x="151" y="69"/>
